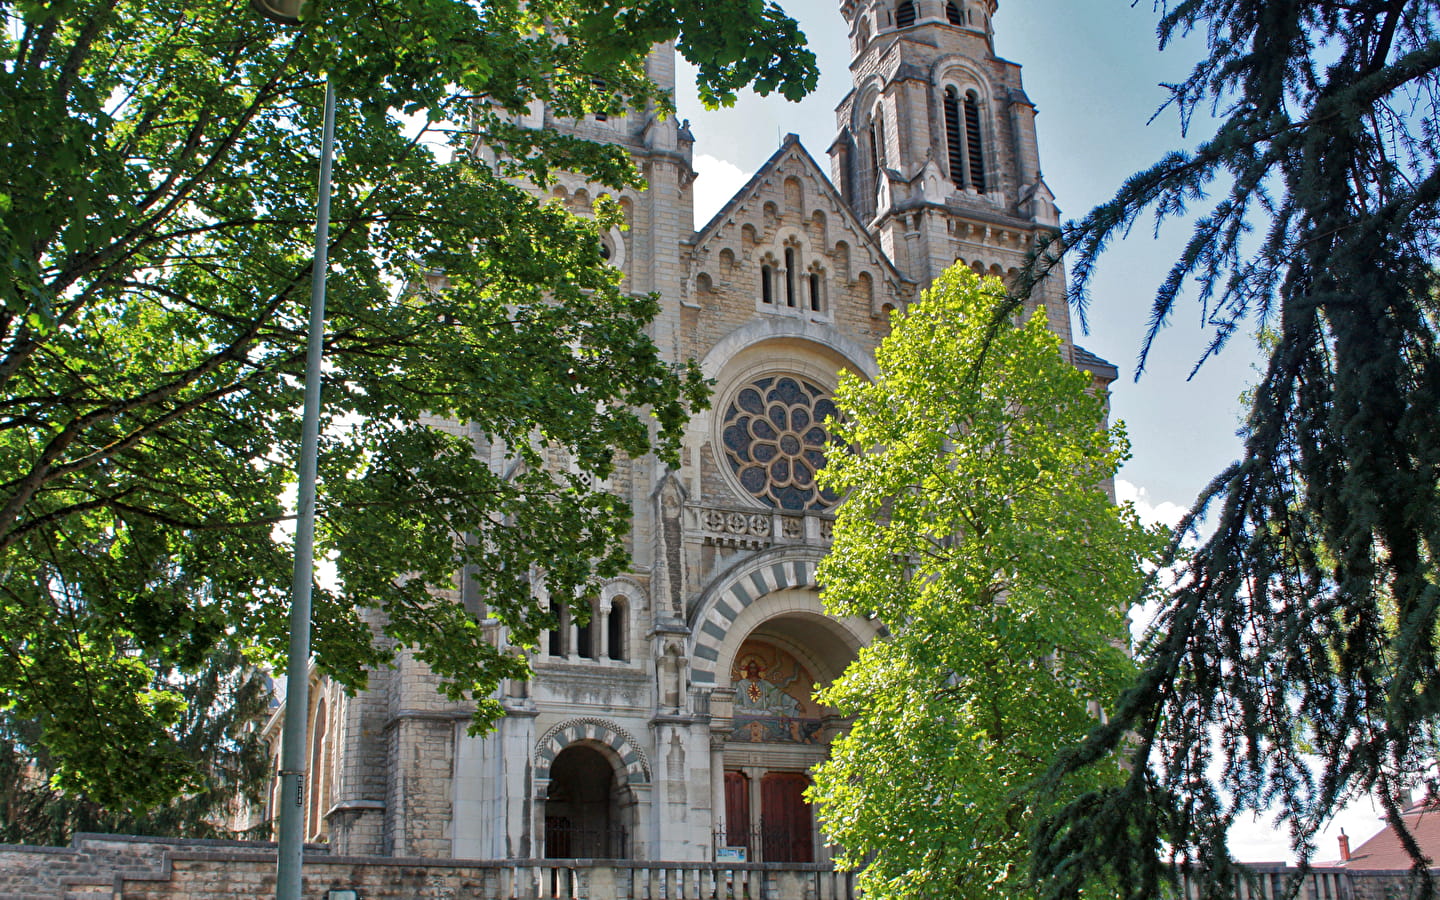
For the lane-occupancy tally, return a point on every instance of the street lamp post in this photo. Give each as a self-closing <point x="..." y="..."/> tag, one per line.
<point x="290" y="856"/>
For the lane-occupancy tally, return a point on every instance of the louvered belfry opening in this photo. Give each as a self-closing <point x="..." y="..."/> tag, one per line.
<point x="905" y="14"/>
<point x="953" y="14"/>
<point x="973" y="143"/>
<point x="877" y="150"/>
<point x="953" y="144"/>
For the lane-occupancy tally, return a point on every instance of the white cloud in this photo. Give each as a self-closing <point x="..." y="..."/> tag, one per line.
<point x="1260" y="839"/>
<point x="1151" y="513"/>
<point x="716" y="181"/>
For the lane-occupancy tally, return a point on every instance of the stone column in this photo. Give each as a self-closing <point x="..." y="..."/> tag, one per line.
<point x="722" y="704"/>
<point x="753" y="775"/>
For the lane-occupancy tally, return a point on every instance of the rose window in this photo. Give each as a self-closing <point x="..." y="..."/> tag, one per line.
<point x="775" y="441"/>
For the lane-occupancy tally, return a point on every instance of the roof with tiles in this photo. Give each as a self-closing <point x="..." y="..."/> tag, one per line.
<point x="1385" y="852"/>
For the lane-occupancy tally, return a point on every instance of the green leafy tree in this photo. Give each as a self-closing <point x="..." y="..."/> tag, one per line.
<point x="976" y="528"/>
<point x="157" y="163"/>
<point x="226" y="704"/>
<point x="1294" y="668"/>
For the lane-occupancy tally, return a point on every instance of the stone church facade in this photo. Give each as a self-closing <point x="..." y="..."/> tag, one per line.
<point x="679" y="723"/>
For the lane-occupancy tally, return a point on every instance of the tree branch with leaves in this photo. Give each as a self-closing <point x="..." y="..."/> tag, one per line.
<point x="156" y="167"/>
<point x="1294" y="667"/>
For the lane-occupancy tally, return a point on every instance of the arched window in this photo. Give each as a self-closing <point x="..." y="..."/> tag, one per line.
<point x="954" y="145"/>
<point x="973" y="143"/>
<point x="615" y="629"/>
<point x="790" y="276"/>
<point x="600" y="85"/>
<point x="815" y="291"/>
<point x="877" y="147"/>
<point x="584" y="642"/>
<point x="767" y="281"/>
<point x="558" y="644"/>
<point x="905" y="14"/>
<point x="953" y="15"/>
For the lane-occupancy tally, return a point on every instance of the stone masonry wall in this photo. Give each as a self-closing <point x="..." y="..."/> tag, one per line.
<point x="126" y="868"/>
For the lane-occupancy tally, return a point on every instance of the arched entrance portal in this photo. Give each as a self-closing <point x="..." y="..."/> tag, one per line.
<point x="585" y="808"/>
<point x="778" y="733"/>
<point x="780" y="648"/>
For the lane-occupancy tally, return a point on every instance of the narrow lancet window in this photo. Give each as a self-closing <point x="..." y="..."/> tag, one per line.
<point x="790" y="276"/>
<point x="877" y="148"/>
<point x="583" y="645"/>
<point x="973" y="143"/>
<point x="954" y="146"/>
<point x="615" y="626"/>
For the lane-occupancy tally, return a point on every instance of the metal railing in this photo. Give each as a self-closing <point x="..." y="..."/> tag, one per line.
<point x="786" y="842"/>
<point x="565" y="839"/>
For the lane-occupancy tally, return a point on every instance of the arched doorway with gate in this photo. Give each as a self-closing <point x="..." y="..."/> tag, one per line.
<point x="587" y="809"/>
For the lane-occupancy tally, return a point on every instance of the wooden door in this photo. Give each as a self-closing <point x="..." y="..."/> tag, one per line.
<point x="786" y="826"/>
<point x="737" y="811"/>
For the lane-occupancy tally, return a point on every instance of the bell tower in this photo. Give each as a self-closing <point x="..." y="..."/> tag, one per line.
<point x="936" y="148"/>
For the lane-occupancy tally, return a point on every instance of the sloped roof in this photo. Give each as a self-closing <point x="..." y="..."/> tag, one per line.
<point x="791" y="146"/>
<point x="1093" y="364"/>
<point x="1384" y="851"/>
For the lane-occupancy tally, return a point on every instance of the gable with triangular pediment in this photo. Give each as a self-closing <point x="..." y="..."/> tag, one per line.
<point x="787" y="246"/>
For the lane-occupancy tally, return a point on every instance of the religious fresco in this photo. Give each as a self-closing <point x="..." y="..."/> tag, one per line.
<point x="773" y="697"/>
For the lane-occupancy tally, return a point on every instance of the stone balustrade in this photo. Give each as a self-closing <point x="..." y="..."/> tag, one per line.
<point x="117" y="867"/>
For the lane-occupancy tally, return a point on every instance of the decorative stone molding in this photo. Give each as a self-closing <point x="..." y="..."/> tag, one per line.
<point x="635" y="765"/>
<point x="781" y="569"/>
<point x="752" y="529"/>
<point x="734" y="529"/>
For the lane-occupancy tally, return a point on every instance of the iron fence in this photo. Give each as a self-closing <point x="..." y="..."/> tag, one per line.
<point x="791" y="842"/>
<point x="565" y="839"/>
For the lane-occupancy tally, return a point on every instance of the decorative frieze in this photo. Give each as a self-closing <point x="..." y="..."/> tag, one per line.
<point x="753" y="529"/>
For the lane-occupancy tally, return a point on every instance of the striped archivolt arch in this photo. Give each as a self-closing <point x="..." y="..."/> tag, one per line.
<point x="770" y="572"/>
<point x="634" y="767"/>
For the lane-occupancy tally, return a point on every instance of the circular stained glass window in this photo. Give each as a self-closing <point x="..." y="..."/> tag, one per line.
<point x="775" y="439"/>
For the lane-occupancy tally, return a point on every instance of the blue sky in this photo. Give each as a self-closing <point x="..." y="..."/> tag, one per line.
<point x="1094" y="74"/>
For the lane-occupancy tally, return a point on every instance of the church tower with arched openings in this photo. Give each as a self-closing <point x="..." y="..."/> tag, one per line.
<point x="936" y="149"/>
